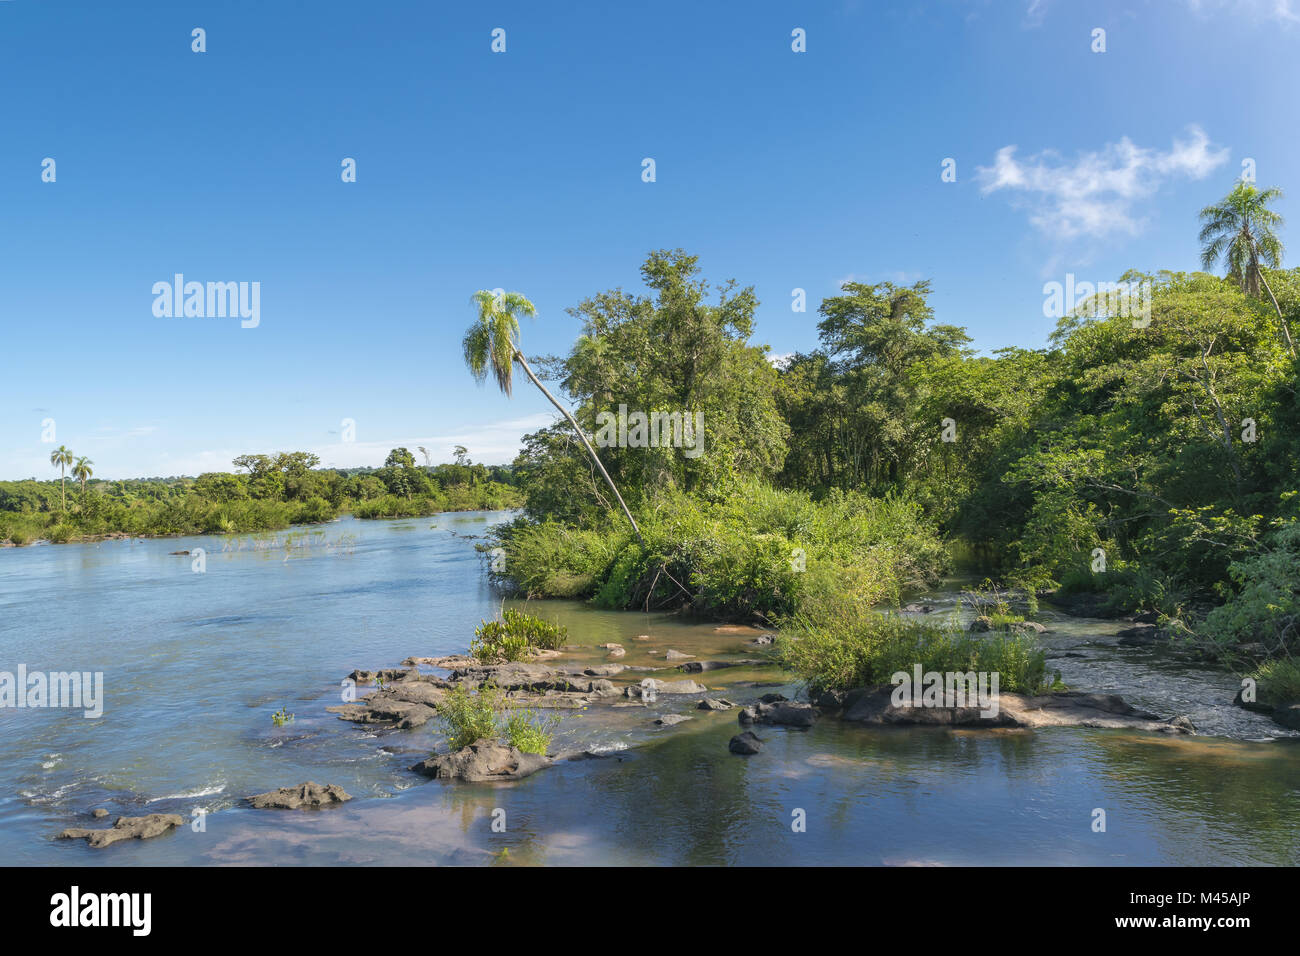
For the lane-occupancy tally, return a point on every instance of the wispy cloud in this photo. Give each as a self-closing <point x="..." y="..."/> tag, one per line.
<point x="1096" y="194"/>
<point x="1276" y="11"/>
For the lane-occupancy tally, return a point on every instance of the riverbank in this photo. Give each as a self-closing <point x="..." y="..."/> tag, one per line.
<point x="663" y="794"/>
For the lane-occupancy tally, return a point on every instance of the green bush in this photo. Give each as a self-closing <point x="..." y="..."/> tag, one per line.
<point x="757" y="550"/>
<point x="1278" y="681"/>
<point x="527" y="731"/>
<point x="841" y="653"/>
<point x="515" y="636"/>
<point x="469" y="716"/>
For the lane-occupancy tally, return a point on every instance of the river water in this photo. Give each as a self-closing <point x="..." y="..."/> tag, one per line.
<point x="195" y="664"/>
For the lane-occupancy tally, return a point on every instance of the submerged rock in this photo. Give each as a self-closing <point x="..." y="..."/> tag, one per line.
<point x="483" y="760"/>
<point x="746" y="743"/>
<point x="305" y="795"/>
<point x="874" y="705"/>
<point x="668" y="720"/>
<point x="126" y="828"/>
<point x="672" y="655"/>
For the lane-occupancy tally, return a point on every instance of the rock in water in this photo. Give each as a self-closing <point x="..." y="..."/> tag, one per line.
<point x="481" y="761"/>
<point x="746" y="743"/>
<point x="126" y="828"/>
<point x="677" y="656"/>
<point x="669" y="719"/>
<point x="784" y="712"/>
<point x="304" y="795"/>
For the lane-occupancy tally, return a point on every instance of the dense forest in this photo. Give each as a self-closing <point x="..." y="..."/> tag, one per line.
<point x="1128" y="466"/>
<point x="266" y="492"/>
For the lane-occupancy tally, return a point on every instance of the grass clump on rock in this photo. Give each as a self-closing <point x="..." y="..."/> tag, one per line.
<point x="515" y="636"/>
<point x="470" y="717"/>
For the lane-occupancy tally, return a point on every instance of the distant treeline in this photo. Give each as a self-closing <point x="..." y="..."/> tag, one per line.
<point x="265" y="493"/>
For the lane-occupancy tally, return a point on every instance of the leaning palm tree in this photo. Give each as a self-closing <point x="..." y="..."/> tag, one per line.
<point x="82" y="472"/>
<point x="492" y="343"/>
<point x="1240" y="229"/>
<point x="62" y="457"/>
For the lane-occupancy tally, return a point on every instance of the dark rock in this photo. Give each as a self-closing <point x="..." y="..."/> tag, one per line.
<point x="126" y="828"/>
<point x="483" y="760"/>
<point x="305" y="795"/>
<point x="1288" y="715"/>
<point x="746" y="743"/>
<point x="1252" y="705"/>
<point x="1139" y="635"/>
<point x="782" y="712"/>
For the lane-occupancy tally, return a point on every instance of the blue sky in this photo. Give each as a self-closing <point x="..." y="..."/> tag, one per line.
<point x="523" y="170"/>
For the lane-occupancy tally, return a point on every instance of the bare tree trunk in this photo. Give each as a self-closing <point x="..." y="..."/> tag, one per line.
<point x="1286" y="331"/>
<point x="519" y="357"/>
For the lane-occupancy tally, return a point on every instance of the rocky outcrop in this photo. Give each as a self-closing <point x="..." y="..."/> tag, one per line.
<point x="710" y="703"/>
<point x="635" y="691"/>
<point x="874" y="705"/>
<point x="484" y="760"/>
<point x="698" y="667"/>
<point x="405" y="704"/>
<point x="782" y="712"/>
<point x="1287" y="714"/>
<point x="126" y="828"/>
<point x="304" y="796"/>
<point x="1141" y="635"/>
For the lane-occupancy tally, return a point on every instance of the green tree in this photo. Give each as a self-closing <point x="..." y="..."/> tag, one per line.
<point x="399" y="458"/>
<point x="61" y="458"/>
<point x="1241" y="230"/>
<point x="82" y="472"/>
<point x="491" y="344"/>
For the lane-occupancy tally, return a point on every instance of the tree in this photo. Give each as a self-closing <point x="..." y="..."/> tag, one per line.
<point x="82" y="472"/>
<point x="399" y="458"/>
<point x="491" y="344"/>
<point x="1240" y="229"/>
<point x="62" y="457"/>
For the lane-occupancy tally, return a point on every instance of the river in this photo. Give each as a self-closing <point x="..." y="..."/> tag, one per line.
<point x="195" y="664"/>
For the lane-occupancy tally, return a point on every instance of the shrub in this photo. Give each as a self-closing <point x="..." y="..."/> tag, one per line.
<point x="515" y="636"/>
<point x="831" y="653"/>
<point x="527" y="731"/>
<point x="469" y="717"/>
<point x="1278" y="681"/>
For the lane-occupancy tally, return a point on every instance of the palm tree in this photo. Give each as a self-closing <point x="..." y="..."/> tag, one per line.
<point x="62" y="457"/>
<point x="82" y="472"/>
<point x="1240" y="229"/>
<point x="491" y="343"/>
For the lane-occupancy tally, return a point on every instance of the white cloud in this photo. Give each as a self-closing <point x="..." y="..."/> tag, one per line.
<point x="1095" y="195"/>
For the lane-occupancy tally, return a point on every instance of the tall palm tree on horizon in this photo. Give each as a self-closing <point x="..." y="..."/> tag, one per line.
<point x="82" y="472"/>
<point x="1240" y="229"/>
<point x="62" y="457"/>
<point x="491" y="343"/>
